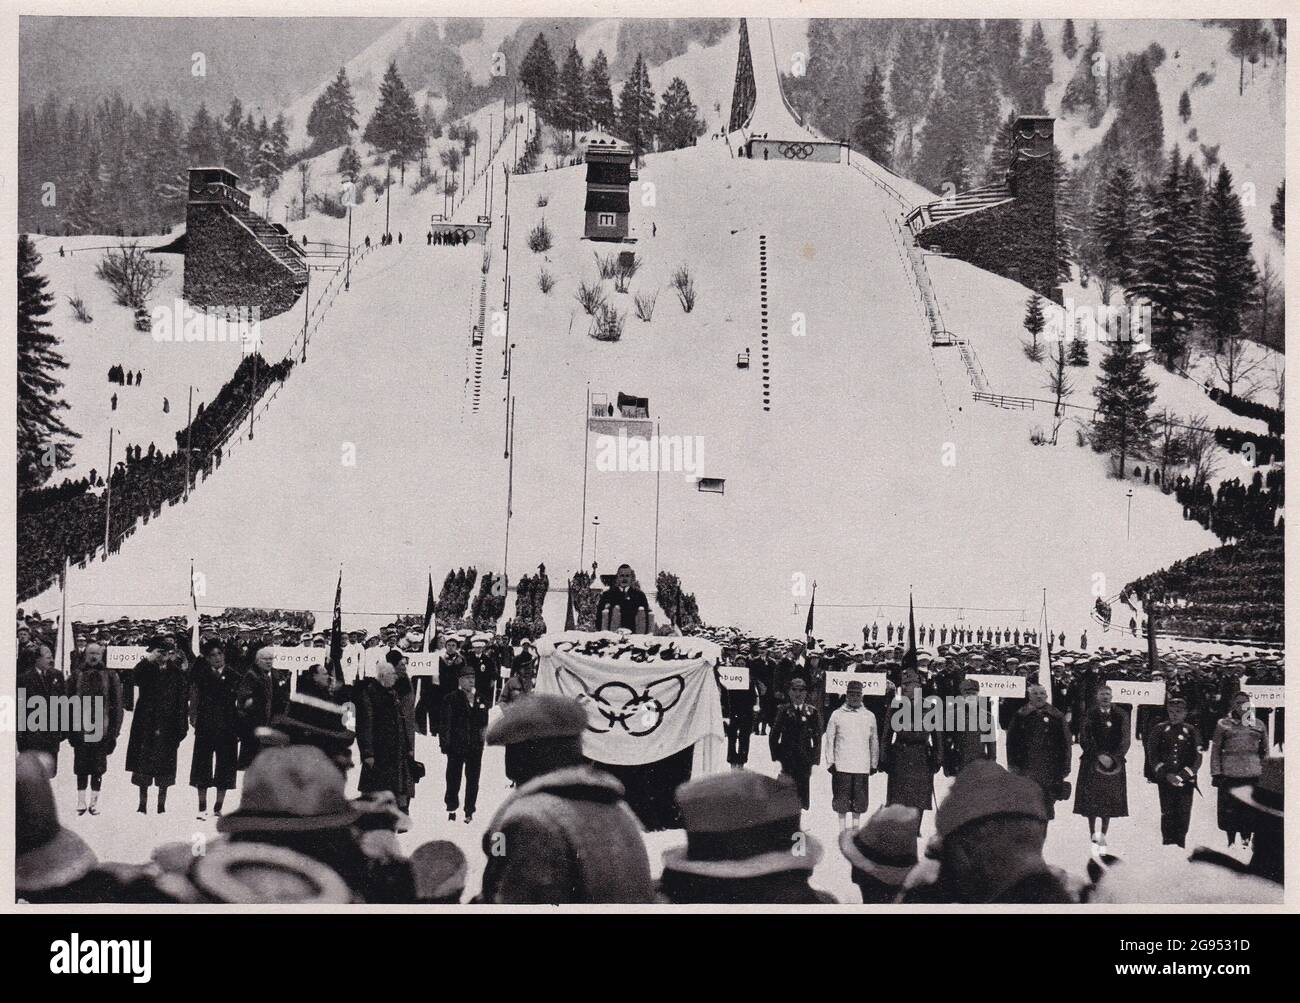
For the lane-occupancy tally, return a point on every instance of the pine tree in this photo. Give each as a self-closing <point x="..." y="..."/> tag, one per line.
<point x="679" y="122"/>
<point x="963" y="112"/>
<point x="1229" y="280"/>
<point x="1079" y="351"/>
<point x="1184" y="107"/>
<point x="1004" y="41"/>
<point x="1123" y="426"/>
<point x="395" y="127"/>
<point x="1278" y="210"/>
<point x="203" y="146"/>
<point x="234" y="140"/>
<point x="1035" y="74"/>
<point x="912" y="75"/>
<point x="1069" y="41"/>
<point x="1035" y="321"/>
<point x="873" y="133"/>
<point x="41" y="430"/>
<point x="539" y="76"/>
<point x="636" y="109"/>
<point x="1067" y="231"/>
<point x="1163" y="278"/>
<point x="333" y="116"/>
<point x="1086" y="90"/>
<point x="570" y="110"/>
<point x="350" y="164"/>
<point x="1000" y="155"/>
<point x="956" y="172"/>
<point x="600" y="97"/>
<point x="1114" y="229"/>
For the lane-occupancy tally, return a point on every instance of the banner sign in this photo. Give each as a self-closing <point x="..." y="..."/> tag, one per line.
<point x="873" y="683"/>
<point x="999" y="685"/>
<point x="421" y="663"/>
<point x="123" y="656"/>
<point x="637" y="712"/>
<point x="1265" y="696"/>
<point x="1132" y="691"/>
<point x="297" y="659"/>
<point x="734" y="677"/>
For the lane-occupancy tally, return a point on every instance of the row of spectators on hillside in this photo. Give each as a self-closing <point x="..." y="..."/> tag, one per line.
<point x="457" y="588"/>
<point x="1235" y="592"/>
<point x="530" y="597"/>
<point x="1235" y="510"/>
<point x="1275" y="419"/>
<point x="70" y="520"/>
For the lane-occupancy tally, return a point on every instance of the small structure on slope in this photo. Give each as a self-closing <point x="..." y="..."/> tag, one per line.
<point x="609" y="177"/>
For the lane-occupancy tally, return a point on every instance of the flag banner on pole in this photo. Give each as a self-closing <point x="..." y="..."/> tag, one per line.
<point x="193" y="614"/>
<point x="429" y="626"/>
<point x="336" y="632"/>
<point x="637" y="712"/>
<point x="63" y="639"/>
<point x="1044" y="659"/>
<point x="568" y="609"/>
<point x="909" y="656"/>
<point x="808" y="626"/>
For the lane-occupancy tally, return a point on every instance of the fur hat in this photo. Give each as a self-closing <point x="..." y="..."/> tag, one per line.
<point x="538" y="715"/>
<point x="292" y="789"/>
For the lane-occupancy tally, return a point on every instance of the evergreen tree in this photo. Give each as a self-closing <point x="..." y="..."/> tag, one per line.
<point x="1069" y="41"/>
<point x="1003" y="40"/>
<point x="1067" y="231"/>
<point x="1088" y="89"/>
<point x="1184" y="107"/>
<point x="1000" y="156"/>
<point x="41" y="430"/>
<point x="1035" y="321"/>
<point x="679" y="122"/>
<point x="203" y="146"/>
<point x="1229" y="281"/>
<point x="1079" y="351"/>
<point x="1114" y="229"/>
<point x="333" y="116"/>
<point x="1278" y="210"/>
<point x="1034" y="75"/>
<point x="963" y="112"/>
<point x="636" y="109"/>
<point x="395" y="127"/>
<point x="912" y="75"/>
<point x="873" y="133"/>
<point x="1123" y="426"/>
<point x="234" y="140"/>
<point x="1163" y="278"/>
<point x="539" y="76"/>
<point x="600" y="97"/>
<point x="350" y="164"/>
<point x="956" y="172"/>
<point x="570" y="107"/>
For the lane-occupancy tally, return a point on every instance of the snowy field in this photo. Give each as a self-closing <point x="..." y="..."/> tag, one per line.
<point x="121" y="834"/>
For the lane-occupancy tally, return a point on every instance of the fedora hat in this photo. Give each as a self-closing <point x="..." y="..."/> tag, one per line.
<point x="741" y="825"/>
<point x="1106" y="765"/>
<point x="256" y="873"/>
<point x="884" y="848"/>
<point x="291" y="789"/>
<point x="46" y="854"/>
<point x="1265" y="794"/>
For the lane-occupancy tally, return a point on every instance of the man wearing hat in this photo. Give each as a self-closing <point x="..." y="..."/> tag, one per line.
<point x="795" y="738"/>
<point x="41" y="685"/>
<point x="320" y="721"/>
<point x="852" y="754"/>
<point x="1173" y="759"/>
<point x="989" y="837"/>
<point x="384" y="738"/>
<point x="883" y="852"/>
<point x="565" y="834"/>
<point x="1038" y="746"/>
<point x="214" y="716"/>
<point x="160" y="721"/>
<point x="743" y="844"/>
<point x="464" y="720"/>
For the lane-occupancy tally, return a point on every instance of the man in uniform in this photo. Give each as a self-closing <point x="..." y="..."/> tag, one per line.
<point x="622" y="603"/>
<point x="795" y="739"/>
<point x="1173" y="758"/>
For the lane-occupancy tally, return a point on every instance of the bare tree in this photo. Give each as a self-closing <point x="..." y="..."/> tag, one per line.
<point x="1236" y="362"/>
<point x="132" y="274"/>
<point x="304" y="174"/>
<point x="1170" y="445"/>
<point x="1278" y="379"/>
<point x="1200" y="450"/>
<point x="1059" y="384"/>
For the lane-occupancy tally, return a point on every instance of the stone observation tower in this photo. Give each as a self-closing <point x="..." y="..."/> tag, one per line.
<point x="1008" y="227"/>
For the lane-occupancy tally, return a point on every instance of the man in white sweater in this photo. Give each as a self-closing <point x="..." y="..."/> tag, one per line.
<point x="852" y="754"/>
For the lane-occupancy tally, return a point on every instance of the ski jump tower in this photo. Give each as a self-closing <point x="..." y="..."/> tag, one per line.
<point x="769" y="126"/>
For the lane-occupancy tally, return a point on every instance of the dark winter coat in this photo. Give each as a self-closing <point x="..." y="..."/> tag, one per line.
<point x="382" y="735"/>
<point x="464" y="723"/>
<point x="214" y="701"/>
<point x="90" y="758"/>
<point x="1097" y="794"/>
<point x="795" y="740"/>
<point x="37" y="685"/>
<point x="255" y="696"/>
<point x="1038" y="747"/>
<point x="160" y="721"/>
<point x="1172" y="748"/>
<point x="572" y="838"/>
<point x="911" y="757"/>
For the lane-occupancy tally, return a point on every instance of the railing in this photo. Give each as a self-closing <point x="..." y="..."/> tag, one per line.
<point x="1002" y="400"/>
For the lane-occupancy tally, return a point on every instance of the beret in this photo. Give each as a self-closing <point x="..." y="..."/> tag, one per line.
<point x="539" y="715"/>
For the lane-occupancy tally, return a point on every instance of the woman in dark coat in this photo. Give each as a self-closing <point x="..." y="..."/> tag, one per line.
<point x="90" y="752"/>
<point x="382" y="738"/>
<point x="910" y="756"/>
<point x="1102" y="791"/>
<point x="158" y="726"/>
